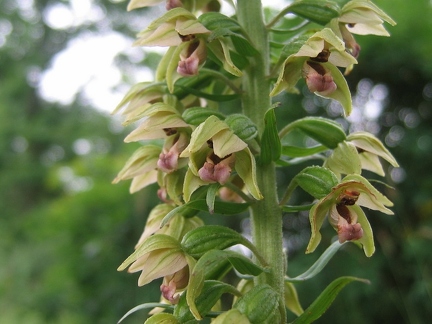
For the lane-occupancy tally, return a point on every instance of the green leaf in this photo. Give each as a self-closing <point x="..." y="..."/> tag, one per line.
<point x="325" y="131"/>
<point x="270" y="142"/>
<point x="318" y="11"/>
<point x="293" y="209"/>
<point x="205" y="238"/>
<point x="294" y="151"/>
<point x="258" y="304"/>
<point x="210" y="293"/>
<point x="317" y="181"/>
<point x="319" y="264"/>
<point x="144" y="306"/>
<point x="324" y="300"/>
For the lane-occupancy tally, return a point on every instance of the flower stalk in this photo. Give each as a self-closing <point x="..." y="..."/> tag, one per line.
<point x="266" y="215"/>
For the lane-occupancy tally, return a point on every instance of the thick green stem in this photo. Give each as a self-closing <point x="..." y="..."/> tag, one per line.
<point x="266" y="215"/>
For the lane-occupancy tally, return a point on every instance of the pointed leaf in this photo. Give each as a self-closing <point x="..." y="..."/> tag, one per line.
<point x="294" y="151"/>
<point x="211" y="196"/>
<point x="324" y="300"/>
<point x="319" y="264"/>
<point x="270" y="142"/>
<point x="318" y="11"/>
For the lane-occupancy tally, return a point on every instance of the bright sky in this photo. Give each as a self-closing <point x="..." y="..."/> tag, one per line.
<point x="87" y="63"/>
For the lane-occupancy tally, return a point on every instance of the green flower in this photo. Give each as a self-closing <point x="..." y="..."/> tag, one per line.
<point x="173" y="28"/>
<point x="214" y="152"/>
<point x="370" y="149"/>
<point x="158" y="256"/>
<point x="359" y="17"/>
<point x="361" y="150"/>
<point x="317" y="60"/>
<point x="342" y="206"/>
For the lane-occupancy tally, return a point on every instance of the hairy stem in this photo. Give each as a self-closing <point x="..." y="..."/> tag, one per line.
<point x="266" y="215"/>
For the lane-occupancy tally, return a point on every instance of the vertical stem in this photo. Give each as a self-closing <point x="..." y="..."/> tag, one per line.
<point x="266" y="216"/>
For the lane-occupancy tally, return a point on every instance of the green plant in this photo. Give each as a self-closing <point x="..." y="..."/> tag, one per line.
<point x="208" y="155"/>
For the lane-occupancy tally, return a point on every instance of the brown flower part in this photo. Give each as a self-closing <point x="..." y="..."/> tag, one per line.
<point x="216" y="169"/>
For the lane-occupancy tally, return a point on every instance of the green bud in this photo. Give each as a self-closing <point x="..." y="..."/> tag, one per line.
<point x="258" y="304"/>
<point x="210" y="237"/>
<point x="242" y="126"/>
<point x="325" y="131"/>
<point x="317" y="181"/>
<point x="317" y="11"/>
<point x="197" y="115"/>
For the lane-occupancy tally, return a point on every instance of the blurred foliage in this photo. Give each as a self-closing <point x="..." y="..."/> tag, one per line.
<point x="65" y="228"/>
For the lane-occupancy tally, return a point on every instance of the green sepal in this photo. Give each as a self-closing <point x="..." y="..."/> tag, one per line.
<point x="294" y="151"/>
<point x="242" y="126"/>
<point x="213" y="259"/>
<point x="162" y="318"/>
<point x="344" y="159"/>
<point x="259" y="304"/>
<point x="144" y="306"/>
<point x="211" y="291"/>
<point x="316" y="181"/>
<point x="197" y="115"/>
<point x="292" y="301"/>
<point x="210" y="237"/>
<point x="325" y="131"/>
<point x="318" y="11"/>
<point x="154" y="242"/>
<point x="324" y="300"/>
<point x="318" y="265"/>
<point x="270" y="141"/>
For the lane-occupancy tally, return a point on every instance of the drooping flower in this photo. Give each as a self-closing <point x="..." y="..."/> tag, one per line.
<point x="360" y="17"/>
<point x="370" y="150"/>
<point x="343" y="208"/>
<point x="317" y="60"/>
<point x="158" y="256"/>
<point x="204" y="5"/>
<point x="214" y="153"/>
<point x="361" y="150"/>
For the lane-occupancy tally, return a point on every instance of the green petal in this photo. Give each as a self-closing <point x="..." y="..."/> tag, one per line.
<point x="344" y="159"/>
<point x="317" y="215"/>
<point x="289" y="75"/>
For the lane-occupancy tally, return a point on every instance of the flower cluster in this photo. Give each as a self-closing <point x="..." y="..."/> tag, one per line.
<point x="205" y="155"/>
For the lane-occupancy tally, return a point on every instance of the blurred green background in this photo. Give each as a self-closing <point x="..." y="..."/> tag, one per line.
<point x="64" y="228"/>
